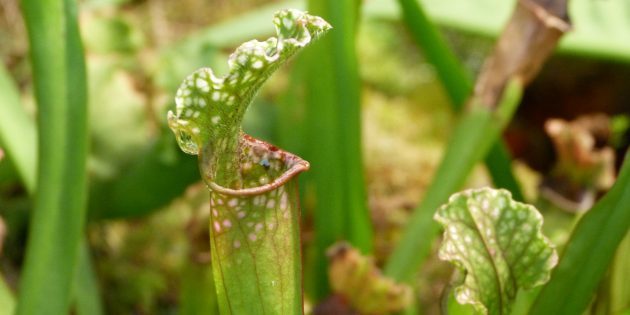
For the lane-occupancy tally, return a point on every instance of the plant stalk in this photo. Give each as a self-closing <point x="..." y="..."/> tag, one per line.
<point x="472" y="138"/>
<point x="458" y="85"/>
<point x="528" y="39"/>
<point x="333" y="130"/>
<point x="57" y="221"/>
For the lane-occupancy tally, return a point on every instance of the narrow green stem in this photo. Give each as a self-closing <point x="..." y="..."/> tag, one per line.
<point x="86" y="288"/>
<point x="454" y="77"/>
<point x="17" y="131"/>
<point x="471" y="140"/>
<point x="499" y="164"/>
<point x="57" y="220"/>
<point x="333" y="128"/>
<point x="458" y="85"/>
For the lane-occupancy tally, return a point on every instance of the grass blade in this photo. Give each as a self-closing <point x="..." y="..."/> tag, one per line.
<point x="86" y="288"/>
<point x="620" y="288"/>
<point x="458" y="85"/>
<point x="471" y="138"/>
<point x="524" y="45"/>
<point x="7" y="300"/>
<point x="17" y="131"/>
<point x="23" y="147"/>
<point x="454" y="77"/>
<point x="57" y="221"/>
<point x="334" y="137"/>
<point x="589" y="252"/>
<point x="499" y="164"/>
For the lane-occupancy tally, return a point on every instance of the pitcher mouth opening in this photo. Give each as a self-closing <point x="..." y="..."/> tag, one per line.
<point x="263" y="168"/>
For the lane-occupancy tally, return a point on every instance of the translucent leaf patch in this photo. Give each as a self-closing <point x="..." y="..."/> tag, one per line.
<point x="498" y="244"/>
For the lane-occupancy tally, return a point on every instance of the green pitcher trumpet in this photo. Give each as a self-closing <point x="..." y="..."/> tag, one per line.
<point x="254" y="225"/>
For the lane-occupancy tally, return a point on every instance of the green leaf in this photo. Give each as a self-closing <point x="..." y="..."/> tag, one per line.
<point x="18" y="134"/>
<point x="498" y="243"/>
<point x="17" y="131"/>
<point x="471" y="138"/>
<point x="57" y="220"/>
<point x="458" y="85"/>
<point x="619" y="275"/>
<point x="589" y="252"/>
<point x="86" y="287"/>
<point x="333" y="134"/>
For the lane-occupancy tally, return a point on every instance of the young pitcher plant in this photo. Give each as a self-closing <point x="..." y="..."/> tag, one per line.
<point x="254" y="221"/>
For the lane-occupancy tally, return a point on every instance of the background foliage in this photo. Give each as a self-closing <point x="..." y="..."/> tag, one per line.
<point x="372" y="107"/>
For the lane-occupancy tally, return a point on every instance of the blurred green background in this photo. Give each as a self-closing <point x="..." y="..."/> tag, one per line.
<point x="370" y="112"/>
